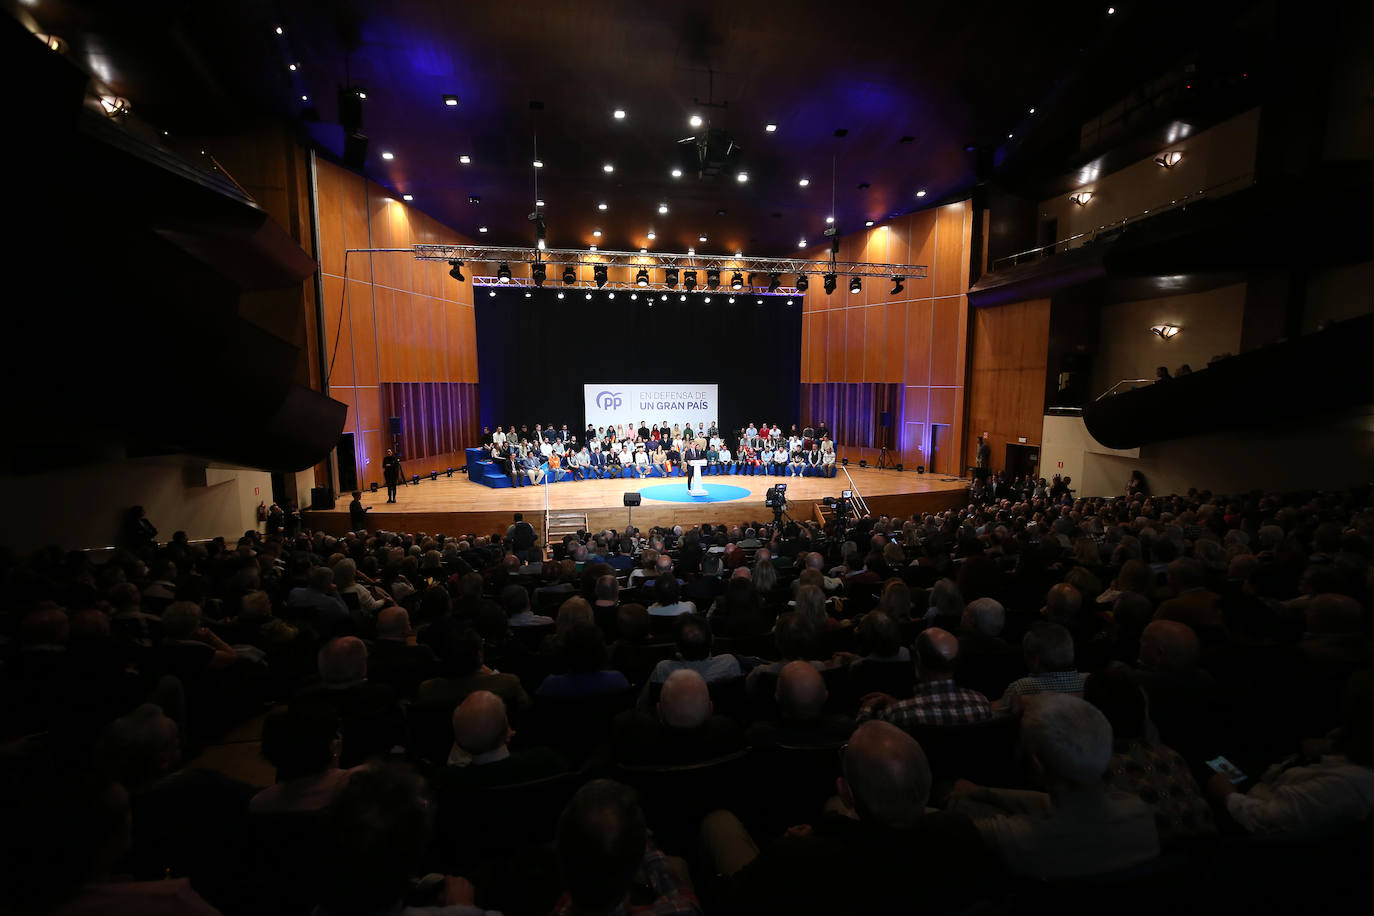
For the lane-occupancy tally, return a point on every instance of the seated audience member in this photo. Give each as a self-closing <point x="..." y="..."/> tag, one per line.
<point x="1077" y="826"/>
<point x="680" y="729"/>
<point x="1152" y="772"/>
<point x="894" y="856"/>
<point x="667" y="600"/>
<point x="318" y="603"/>
<point x="880" y="639"/>
<point x="1193" y="603"/>
<point x="937" y="700"/>
<point x="346" y="583"/>
<point x="516" y="601"/>
<point x="393" y="661"/>
<point x="192" y="649"/>
<point x="370" y="716"/>
<point x="481" y="755"/>
<point x="802" y="720"/>
<point x="467" y="673"/>
<point x="1315" y="797"/>
<point x="304" y="744"/>
<point x="255" y="625"/>
<point x="606" y="854"/>
<point x="694" y="653"/>
<point x="379" y="829"/>
<point x="584" y="651"/>
<point x="1048" y="651"/>
<point x="739" y="611"/>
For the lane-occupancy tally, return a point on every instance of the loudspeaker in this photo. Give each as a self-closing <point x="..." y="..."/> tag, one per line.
<point x="884" y="419"/>
<point x="632" y="498"/>
<point x="321" y="498"/>
<point x="920" y="469"/>
<point x="348" y="464"/>
<point x="355" y="150"/>
<point x="395" y="425"/>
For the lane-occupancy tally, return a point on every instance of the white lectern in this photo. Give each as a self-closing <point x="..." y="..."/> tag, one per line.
<point x="697" y="488"/>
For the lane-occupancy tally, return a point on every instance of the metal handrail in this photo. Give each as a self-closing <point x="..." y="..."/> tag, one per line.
<point x="1124" y="381"/>
<point x="858" y="497"/>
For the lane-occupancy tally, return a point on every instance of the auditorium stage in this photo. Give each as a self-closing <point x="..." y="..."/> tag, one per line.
<point x="457" y="505"/>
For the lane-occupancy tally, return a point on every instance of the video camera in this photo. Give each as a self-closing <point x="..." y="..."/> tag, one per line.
<point x="775" y="497"/>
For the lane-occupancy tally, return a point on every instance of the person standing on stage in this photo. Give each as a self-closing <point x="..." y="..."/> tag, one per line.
<point x="691" y="454"/>
<point x="391" y="472"/>
<point x="498" y="438"/>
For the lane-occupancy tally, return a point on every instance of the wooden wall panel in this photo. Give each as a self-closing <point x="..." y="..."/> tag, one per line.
<point x="918" y="330"/>
<point x="951" y="249"/>
<point x="854" y="343"/>
<point x="944" y="341"/>
<point x="894" y="342"/>
<point x="1006" y="394"/>
<point x="875" y="347"/>
<point x="921" y="250"/>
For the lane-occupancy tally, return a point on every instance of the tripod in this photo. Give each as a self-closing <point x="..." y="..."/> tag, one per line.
<point x="884" y="462"/>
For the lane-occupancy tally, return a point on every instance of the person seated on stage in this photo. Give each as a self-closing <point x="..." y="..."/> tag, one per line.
<point x="748" y="460"/>
<point x="827" y="458"/>
<point x="813" y="459"/>
<point x="797" y="465"/>
<point x="714" y="440"/>
<point x="642" y="462"/>
<point x="780" y="457"/>
<point x="579" y="464"/>
<point x="560" y="448"/>
<point x="545" y="449"/>
<point x="672" y="460"/>
<point x="677" y="431"/>
<point x="724" y="463"/>
<point x="775" y="433"/>
<point x="659" y="459"/>
<point x="556" y="472"/>
<point x="751" y="431"/>
<point x="712" y="460"/>
<point x="532" y="468"/>
<point x="687" y="432"/>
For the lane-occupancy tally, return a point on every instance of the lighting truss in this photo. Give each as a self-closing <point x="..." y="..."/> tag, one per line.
<point x="656" y="288"/>
<point x="659" y="260"/>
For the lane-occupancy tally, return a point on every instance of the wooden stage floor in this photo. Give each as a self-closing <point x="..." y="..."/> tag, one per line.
<point x="456" y="505"/>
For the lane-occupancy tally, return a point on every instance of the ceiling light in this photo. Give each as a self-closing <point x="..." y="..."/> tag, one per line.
<point x="774" y="281"/>
<point x="291" y="67"/>
<point x="897" y="285"/>
<point x="830" y="219"/>
<point x="670" y="277"/>
<point x="560" y="294"/>
<point x="611" y="294"/>
<point x="596" y="233"/>
<point x="601" y="206"/>
<point x="868" y="222"/>
<point x="921" y="193"/>
<point x="801" y="243"/>
<point x="855" y="284"/>
<point x="739" y="254"/>
<point x="1032" y="111"/>
<point x="1165" y="331"/>
<point x="503" y="273"/>
<point x="451" y="101"/>
<point x="591" y="248"/>
<point x="884" y="227"/>
<point x="732" y="300"/>
<point x="737" y="281"/>
<point x="388" y="156"/>
<point x="694" y="120"/>
<point x="789" y="301"/>
<point x="712" y="278"/>
<point x="481" y="228"/>
<point x="1009" y="136"/>
<point x="771" y="128"/>
<point x="1111" y="11"/>
<point x="456" y="270"/>
<point x="691" y="251"/>
<point x="569" y="275"/>
<point x="643" y="251"/>
<point x="1170" y="159"/>
<point x="599" y="275"/>
<point x="742" y="177"/>
<point x="662" y="208"/>
<point x="465" y="159"/>
<point x="677" y="173"/>
<point x="528" y="294"/>
<point x="664" y="297"/>
<point x="651" y="236"/>
<point x="802" y="282"/>
<point x="589" y="295"/>
<point x="407" y="197"/>
<point x="278" y="30"/>
<point x="701" y="238"/>
<point x="804" y="182"/>
<point x="538" y="272"/>
<point x="538" y="163"/>
<point x="705" y="298"/>
<point x="1081" y="198"/>
<point x="539" y="203"/>
<point x="305" y="98"/>
<point x="492" y="294"/>
<point x="642" y="278"/>
<point x="829" y="283"/>
<point x="619" y="114"/>
<point x="608" y="168"/>
<point x="634" y="295"/>
<point x="682" y="298"/>
<point x="689" y="279"/>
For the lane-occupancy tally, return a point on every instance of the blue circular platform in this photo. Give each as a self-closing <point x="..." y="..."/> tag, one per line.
<point x="677" y="493"/>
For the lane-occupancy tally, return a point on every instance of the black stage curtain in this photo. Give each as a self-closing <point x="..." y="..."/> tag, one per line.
<point x="534" y="355"/>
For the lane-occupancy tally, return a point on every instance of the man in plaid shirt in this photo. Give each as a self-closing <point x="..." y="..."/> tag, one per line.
<point x="1048" y="649"/>
<point x="938" y="700"/>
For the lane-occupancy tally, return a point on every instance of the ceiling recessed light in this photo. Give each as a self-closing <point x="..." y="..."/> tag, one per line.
<point x="662" y="208"/>
<point x="492" y="294"/>
<point x="742" y="177"/>
<point x="701" y="238"/>
<point x="770" y="127"/>
<point x="732" y="300"/>
<point x="691" y="251"/>
<point x="305" y="98"/>
<point x="643" y="251"/>
<point x="465" y="159"/>
<point x="407" y="197"/>
<point x="560" y="295"/>
<point x="706" y="299"/>
<point x="589" y="295"/>
<point x="608" y="168"/>
<point x="830" y="219"/>
<point x="1009" y="136"/>
<point x="694" y="120"/>
<point x="481" y="228"/>
<point x="291" y="67"/>
<point x="619" y="114"/>
<point x="278" y="30"/>
<point x="387" y="156"/>
<point x="1111" y="11"/>
<point x="596" y="233"/>
<point x="592" y="247"/>
<point x="802" y="243"/>
<point x="362" y="94"/>
<point x="538" y="163"/>
<point x="883" y="227"/>
<point x="868" y="222"/>
<point x="804" y="182"/>
<point x="677" y="173"/>
<point x="682" y="298"/>
<point x="650" y="236"/>
<point x="921" y="193"/>
<point x="451" y="101"/>
<point x="528" y="294"/>
<point x="601" y="206"/>
<point x="1032" y="111"/>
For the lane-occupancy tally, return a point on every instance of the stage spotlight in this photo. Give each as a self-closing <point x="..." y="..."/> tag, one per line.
<point x="803" y="282"/>
<point x="415" y="479"/>
<point x="433" y="475"/>
<point x="855" y="284"/>
<point x="456" y="270"/>
<point x="863" y="462"/>
<point x="689" y="279"/>
<point x="829" y="283"/>
<point x="599" y="275"/>
<point x="712" y="278"/>
<point x="899" y="465"/>
<point x="774" y="281"/>
<point x="450" y="472"/>
<point x="373" y="486"/>
<point x="538" y="273"/>
<point x="670" y="277"/>
<point x="737" y="281"/>
<point x="897" y="285"/>
<point x="642" y="278"/>
<point x="569" y="275"/>
<point x="920" y="469"/>
<point x="844" y="461"/>
<point x="503" y="273"/>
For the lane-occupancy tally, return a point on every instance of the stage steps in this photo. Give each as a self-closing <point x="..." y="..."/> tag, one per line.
<point x="565" y="523"/>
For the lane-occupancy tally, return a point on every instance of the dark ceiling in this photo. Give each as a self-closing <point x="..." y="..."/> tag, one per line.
<point x="919" y="87"/>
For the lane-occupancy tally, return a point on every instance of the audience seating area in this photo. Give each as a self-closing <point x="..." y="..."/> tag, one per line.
<point x="1005" y="709"/>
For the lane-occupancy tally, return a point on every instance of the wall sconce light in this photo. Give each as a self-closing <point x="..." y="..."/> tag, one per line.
<point x="1165" y="331"/>
<point x="1081" y="198"/>
<point x="114" y="106"/>
<point x="1169" y="160"/>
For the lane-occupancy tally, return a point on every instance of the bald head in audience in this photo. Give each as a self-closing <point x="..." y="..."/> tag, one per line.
<point x="1167" y="645"/>
<point x="986" y="615"/>
<point x="886" y="776"/>
<point x="936" y="650"/>
<point x="801" y="692"/>
<point x="684" y="701"/>
<point x="1069" y="739"/>
<point x="343" y="661"/>
<point x="393" y="623"/>
<point x="480" y="724"/>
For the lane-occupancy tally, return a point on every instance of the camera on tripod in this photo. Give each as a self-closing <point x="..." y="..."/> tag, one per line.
<point x="842" y="504"/>
<point x="775" y="497"/>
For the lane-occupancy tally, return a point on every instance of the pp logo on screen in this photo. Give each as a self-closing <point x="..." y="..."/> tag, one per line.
<point x="609" y="400"/>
